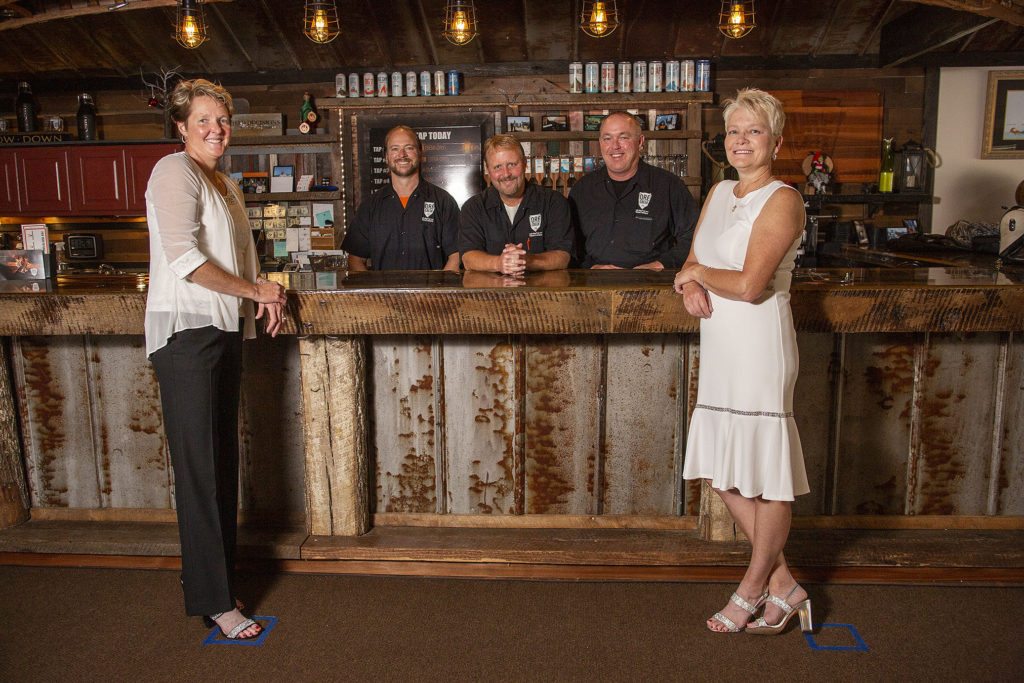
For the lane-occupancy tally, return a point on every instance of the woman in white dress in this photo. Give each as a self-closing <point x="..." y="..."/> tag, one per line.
<point x="742" y="436"/>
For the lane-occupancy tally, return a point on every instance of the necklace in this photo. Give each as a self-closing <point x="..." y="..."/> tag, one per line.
<point x="736" y="200"/>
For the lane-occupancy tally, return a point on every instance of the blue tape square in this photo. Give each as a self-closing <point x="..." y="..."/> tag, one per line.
<point x="861" y="646"/>
<point x="216" y="638"/>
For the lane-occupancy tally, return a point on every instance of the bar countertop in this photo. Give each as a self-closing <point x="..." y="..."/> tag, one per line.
<point x="932" y="299"/>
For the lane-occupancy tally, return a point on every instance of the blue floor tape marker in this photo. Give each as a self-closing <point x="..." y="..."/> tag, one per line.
<point x="861" y="646"/>
<point x="268" y="624"/>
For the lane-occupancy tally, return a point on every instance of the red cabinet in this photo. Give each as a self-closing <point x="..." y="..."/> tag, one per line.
<point x="43" y="181"/>
<point x="140" y="160"/>
<point x="98" y="180"/>
<point x="10" y="201"/>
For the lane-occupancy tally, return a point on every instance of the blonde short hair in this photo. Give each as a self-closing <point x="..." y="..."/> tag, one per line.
<point x="179" y="104"/>
<point x="759" y="103"/>
<point x="502" y="141"/>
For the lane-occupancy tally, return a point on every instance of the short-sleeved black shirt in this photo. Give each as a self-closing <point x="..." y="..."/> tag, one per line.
<point x="543" y="222"/>
<point x="420" y="236"/>
<point x="653" y="220"/>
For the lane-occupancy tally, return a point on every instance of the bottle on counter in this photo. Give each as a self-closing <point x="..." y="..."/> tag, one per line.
<point x="25" y="107"/>
<point x="86" y="117"/>
<point x="885" y="176"/>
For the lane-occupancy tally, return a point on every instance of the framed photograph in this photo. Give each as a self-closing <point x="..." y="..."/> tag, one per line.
<point x="592" y="121"/>
<point x="666" y="122"/>
<point x="518" y="124"/>
<point x="895" y="233"/>
<point x="910" y="224"/>
<point x="1004" y="116"/>
<point x="555" y="122"/>
<point x="280" y="171"/>
<point x="862" y="233"/>
<point x="642" y="120"/>
<point x="255" y="183"/>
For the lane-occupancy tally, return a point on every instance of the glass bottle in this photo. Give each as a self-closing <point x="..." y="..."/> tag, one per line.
<point x="885" y="176"/>
<point x="86" y="117"/>
<point x="546" y="180"/>
<point x="25" y="107"/>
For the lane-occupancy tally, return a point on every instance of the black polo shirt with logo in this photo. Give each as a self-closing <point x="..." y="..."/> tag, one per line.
<point x="653" y="219"/>
<point x="543" y="222"/>
<point x="419" y="236"/>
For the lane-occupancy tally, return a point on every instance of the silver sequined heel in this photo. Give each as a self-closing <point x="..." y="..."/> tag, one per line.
<point x="803" y="608"/>
<point x="728" y="623"/>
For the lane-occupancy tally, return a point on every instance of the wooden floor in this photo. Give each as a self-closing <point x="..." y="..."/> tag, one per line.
<point x="886" y="556"/>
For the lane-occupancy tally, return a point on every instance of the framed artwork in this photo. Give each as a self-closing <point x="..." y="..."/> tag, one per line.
<point x="518" y="124"/>
<point x="862" y="233"/>
<point x="281" y="171"/>
<point x="910" y="224"/>
<point x="666" y="122"/>
<point x="1003" y="137"/>
<point x="555" y="122"/>
<point x="592" y="121"/>
<point x="255" y="183"/>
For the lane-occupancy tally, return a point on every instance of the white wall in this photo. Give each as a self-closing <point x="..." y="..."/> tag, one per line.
<point x="967" y="186"/>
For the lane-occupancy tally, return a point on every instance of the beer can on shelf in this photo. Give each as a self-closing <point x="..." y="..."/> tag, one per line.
<point x="340" y="85"/>
<point x="592" y="77"/>
<point x="425" y="83"/>
<point x="369" y="85"/>
<point x="439" y="86"/>
<point x="354" y="86"/>
<point x="703" y="83"/>
<point x="576" y="78"/>
<point x="453" y="83"/>
<point x="655" y="74"/>
<point x="640" y="76"/>
<point x="412" y="82"/>
<point x="396" y="83"/>
<point x="686" y="75"/>
<point x="607" y="76"/>
<point x="625" y="81"/>
<point x="672" y="76"/>
<point x="383" y="80"/>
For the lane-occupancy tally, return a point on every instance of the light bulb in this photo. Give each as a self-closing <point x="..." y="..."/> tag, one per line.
<point x="320" y="25"/>
<point x="737" y="19"/>
<point x="460" y="25"/>
<point x="189" y="30"/>
<point x="598" y="19"/>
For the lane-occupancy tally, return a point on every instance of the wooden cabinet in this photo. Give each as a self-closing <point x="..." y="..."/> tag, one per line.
<point x="43" y="181"/>
<point x="10" y="202"/>
<point x="98" y="179"/>
<point x="139" y="162"/>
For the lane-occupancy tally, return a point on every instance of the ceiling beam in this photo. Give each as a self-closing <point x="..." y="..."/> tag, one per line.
<point x="875" y="28"/>
<point x="823" y="33"/>
<point x="1004" y="10"/>
<point x="234" y="38"/>
<point x="71" y="12"/>
<point x="923" y="29"/>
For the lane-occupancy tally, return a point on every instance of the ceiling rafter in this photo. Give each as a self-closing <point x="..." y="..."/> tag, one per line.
<point x="833" y="12"/>
<point x="234" y="37"/>
<point x="428" y="35"/>
<point x="274" y="24"/>
<point x="1004" y="10"/>
<point x="81" y="11"/>
<point x="876" y="27"/>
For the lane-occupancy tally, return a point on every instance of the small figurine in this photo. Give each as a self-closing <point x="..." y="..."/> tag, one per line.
<point x="307" y="114"/>
<point x="818" y="167"/>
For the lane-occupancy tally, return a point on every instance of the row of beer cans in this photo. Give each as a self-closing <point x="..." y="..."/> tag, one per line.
<point x="397" y="84"/>
<point x="685" y="75"/>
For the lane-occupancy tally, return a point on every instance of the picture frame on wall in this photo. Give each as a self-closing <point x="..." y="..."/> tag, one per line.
<point x="1003" y="137"/>
<point x="592" y="121"/>
<point x="518" y="124"/>
<point x="555" y="122"/>
<point x="666" y="122"/>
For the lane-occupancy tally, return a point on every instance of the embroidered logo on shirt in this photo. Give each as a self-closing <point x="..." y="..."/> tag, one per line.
<point x="428" y="211"/>
<point x="644" y="200"/>
<point x="535" y="221"/>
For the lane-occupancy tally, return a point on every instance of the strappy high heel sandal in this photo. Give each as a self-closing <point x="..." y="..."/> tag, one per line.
<point x="728" y="623"/>
<point x="803" y="608"/>
<point x="239" y="628"/>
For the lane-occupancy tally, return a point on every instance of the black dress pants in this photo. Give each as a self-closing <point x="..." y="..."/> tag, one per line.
<point x="199" y="372"/>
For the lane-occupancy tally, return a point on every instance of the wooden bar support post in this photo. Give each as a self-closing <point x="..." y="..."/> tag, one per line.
<point x="13" y="491"/>
<point x="334" y="423"/>
<point x="714" y="522"/>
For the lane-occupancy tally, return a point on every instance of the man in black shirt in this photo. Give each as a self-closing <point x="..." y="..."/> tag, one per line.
<point x="631" y="214"/>
<point x="409" y="224"/>
<point x="514" y="226"/>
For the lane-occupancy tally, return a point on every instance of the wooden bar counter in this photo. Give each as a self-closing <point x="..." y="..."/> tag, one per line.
<point x="444" y="400"/>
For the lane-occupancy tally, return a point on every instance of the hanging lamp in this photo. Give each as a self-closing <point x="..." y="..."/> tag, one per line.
<point x="599" y="19"/>
<point x="190" y="25"/>
<point x="320" y="23"/>
<point x="736" y="18"/>
<point x="459" y="22"/>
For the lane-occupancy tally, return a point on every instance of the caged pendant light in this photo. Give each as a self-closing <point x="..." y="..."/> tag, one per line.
<point x="190" y="25"/>
<point x="459" y="22"/>
<point x="320" y="23"/>
<point x="599" y="19"/>
<point x="736" y="18"/>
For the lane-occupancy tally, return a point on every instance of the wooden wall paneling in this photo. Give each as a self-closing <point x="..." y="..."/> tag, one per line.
<point x="130" y="449"/>
<point x="482" y="409"/>
<point x="955" y="423"/>
<point x="13" y="489"/>
<point x="271" y="470"/>
<point x="639" y="441"/>
<point x="692" y="488"/>
<point x="877" y="392"/>
<point x="812" y="407"/>
<point x="563" y="404"/>
<point x="1008" y="484"/>
<point x="403" y="392"/>
<point x="53" y="400"/>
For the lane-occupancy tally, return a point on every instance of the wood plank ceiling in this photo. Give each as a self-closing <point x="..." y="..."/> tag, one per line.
<point x="84" y="42"/>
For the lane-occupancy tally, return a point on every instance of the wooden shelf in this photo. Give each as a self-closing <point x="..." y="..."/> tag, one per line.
<point x="293" y="196"/>
<point x="545" y="136"/>
<point x="602" y="100"/>
<point x="279" y="140"/>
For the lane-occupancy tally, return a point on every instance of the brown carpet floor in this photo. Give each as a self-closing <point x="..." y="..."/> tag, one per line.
<point x="112" y="624"/>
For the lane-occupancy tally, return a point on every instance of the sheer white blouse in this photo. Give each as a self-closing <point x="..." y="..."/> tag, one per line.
<point x="191" y="223"/>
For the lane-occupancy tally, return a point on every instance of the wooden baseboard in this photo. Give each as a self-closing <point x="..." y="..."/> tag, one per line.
<point x="151" y="515"/>
<point x="664" y="523"/>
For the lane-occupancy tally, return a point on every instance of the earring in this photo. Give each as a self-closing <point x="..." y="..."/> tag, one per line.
<point x="775" y="155"/>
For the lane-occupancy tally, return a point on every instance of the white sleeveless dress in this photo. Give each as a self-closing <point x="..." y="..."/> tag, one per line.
<point x="742" y="433"/>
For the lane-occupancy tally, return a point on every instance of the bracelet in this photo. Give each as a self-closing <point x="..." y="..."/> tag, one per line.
<point x="700" y="280"/>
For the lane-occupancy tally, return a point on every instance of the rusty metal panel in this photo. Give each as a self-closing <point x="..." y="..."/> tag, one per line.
<point x="53" y="391"/>
<point x="874" y="437"/>
<point x="812" y="408"/>
<point x="1009" y="494"/>
<point x="641" y="422"/>
<point x="130" y="448"/>
<point x="563" y="388"/>
<point x="271" y="476"/>
<point x="956" y="425"/>
<point x="483" y="421"/>
<point x="403" y="424"/>
<point x="691" y="489"/>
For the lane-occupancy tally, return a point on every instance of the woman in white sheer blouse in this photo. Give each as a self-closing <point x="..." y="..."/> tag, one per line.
<point x="203" y="282"/>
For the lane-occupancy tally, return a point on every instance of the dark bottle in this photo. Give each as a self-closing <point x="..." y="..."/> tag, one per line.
<point x="546" y="180"/>
<point x="25" y="106"/>
<point x="86" y="117"/>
